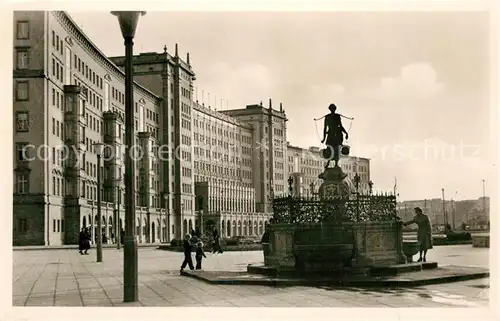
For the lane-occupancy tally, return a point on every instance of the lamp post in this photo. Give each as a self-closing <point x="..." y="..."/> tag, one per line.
<point x="290" y="182"/>
<point x="311" y="188"/>
<point x="370" y="185"/>
<point x="128" y="23"/>
<point x="98" y="150"/>
<point x="357" y="180"/>
<point x="118" y="229"/>
<point x="453" y="210"/>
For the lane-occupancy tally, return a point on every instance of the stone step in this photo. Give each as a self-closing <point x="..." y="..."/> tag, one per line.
<point x="402" y="268"/>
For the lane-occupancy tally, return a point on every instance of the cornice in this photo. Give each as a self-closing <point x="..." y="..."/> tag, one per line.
<point x="78" y="35"/>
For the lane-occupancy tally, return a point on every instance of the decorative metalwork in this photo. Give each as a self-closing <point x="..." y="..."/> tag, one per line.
<point x="359" y="208"/>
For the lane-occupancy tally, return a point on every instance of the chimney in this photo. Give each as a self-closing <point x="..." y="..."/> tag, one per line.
<point x="176" y="50"/>
<point x="281" y="107"/>
<point x="270" y="104"/>
<point x="165" y="49"/>
<point x="188" y="58"/>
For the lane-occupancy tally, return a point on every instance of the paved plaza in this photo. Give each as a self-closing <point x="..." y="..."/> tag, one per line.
<point x="66" y="278"/>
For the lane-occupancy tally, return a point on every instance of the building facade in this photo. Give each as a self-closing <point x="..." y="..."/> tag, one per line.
<point x="472" y="213"/>
<point x="224" y="186"/>
<point x="199" y="167"/>
<point x="67" y="97"/>
<point x="269" y="173"/>
<point x="307" y="164"/>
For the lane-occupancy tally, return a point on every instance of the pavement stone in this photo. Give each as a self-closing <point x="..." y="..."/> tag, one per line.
<point x="65" y="278"/>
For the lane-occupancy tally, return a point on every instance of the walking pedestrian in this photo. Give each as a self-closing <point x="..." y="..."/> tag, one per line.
<point x="86" y="241"/>
<point x="200" y="254"/>
<point x="216" y="248"/>
<point x="81" y="240"/>
<point x="188" y="259"/>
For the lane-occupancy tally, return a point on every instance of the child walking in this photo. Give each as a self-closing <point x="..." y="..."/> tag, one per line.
<point x="200" y="254"/>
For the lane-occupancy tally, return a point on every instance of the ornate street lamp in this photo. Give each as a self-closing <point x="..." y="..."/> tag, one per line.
<point x="98" y="150"/>
<point x="290" y="182"/>
<point x="357" y="180"/>
<point x="128" y="23"/>
<point x="370" y="185"/>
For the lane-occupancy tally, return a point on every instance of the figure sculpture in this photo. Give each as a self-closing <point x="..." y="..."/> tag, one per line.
<point x="333" y="134"/>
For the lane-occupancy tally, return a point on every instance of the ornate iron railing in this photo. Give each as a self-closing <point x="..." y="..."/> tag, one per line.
<point x="381" y="207"/>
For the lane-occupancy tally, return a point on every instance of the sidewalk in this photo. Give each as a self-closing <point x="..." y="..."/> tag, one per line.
<point x="66" y="278"/>
<point x="75" y="247"/>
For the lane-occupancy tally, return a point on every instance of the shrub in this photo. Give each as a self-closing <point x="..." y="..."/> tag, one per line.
<point x="175" y="242"/>
<point x="232" y="241"/>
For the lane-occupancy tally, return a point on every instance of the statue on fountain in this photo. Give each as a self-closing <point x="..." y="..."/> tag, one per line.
<point x="333" y="178"/>
<point x="333" y="134"/>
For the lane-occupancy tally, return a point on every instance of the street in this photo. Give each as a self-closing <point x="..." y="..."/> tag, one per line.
<point x="66" y="278"/>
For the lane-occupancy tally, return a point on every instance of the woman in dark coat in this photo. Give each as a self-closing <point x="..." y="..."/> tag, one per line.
<point x="86" y="241"/>
<point x="424" y="234"/>
<point x="81" y="241"/>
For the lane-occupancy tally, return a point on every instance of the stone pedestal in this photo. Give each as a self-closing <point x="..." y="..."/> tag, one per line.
<point x="333" y="184"/>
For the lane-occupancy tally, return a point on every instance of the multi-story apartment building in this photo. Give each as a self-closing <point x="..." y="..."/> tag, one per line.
<point x="307" y="164"/>
<point x="171" y="78"/>
<point x="224" y="186"/>
<point x="68" y="96"/>
<point x="215" y="148"/>
<point x="199" y="167"/>
<point x="269" y="150"/>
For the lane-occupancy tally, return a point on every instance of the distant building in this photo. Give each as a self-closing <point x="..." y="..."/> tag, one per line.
<point x="456" y="213"/>
<point x="309" y="163"/>
<point x="269" y="173"/>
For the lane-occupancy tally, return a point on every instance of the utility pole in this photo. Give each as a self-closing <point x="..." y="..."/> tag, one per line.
<point x="445" y="220"/>
<point x="484" y="200"/>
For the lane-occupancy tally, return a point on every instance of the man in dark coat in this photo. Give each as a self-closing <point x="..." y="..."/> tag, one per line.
<point x="188" y="259"/>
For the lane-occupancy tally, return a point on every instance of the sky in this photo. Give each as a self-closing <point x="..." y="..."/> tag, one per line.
<point x="416" y="83"/>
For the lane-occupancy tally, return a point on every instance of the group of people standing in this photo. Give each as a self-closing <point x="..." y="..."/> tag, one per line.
<point x="84" y="241"/>
<point x="85" y="237"/>
<point x="194" y="240"/>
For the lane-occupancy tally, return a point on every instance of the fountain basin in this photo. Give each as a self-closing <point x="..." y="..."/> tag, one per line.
<point x="410" y="248"/>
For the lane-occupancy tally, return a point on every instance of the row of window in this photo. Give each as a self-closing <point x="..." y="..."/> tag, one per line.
<point x="226" y="133"/>
<point x="214" y="180"/>
<point x="57" y="70"/>
<point x="205" y="169"/>
<point x="218" y="204"/>
<point x="186" y="140"/>
<point x="185" y="124"/>
<point x="186" y="109"/>
<point x="57" y="128"/>
<point x="57" y="186"/>
<point x="186" y="93"/>
<point x="278" y="132"/>
<point x="57" y="43"/>
<point x="187" y="189"/>
<point x="186" y="172"/>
